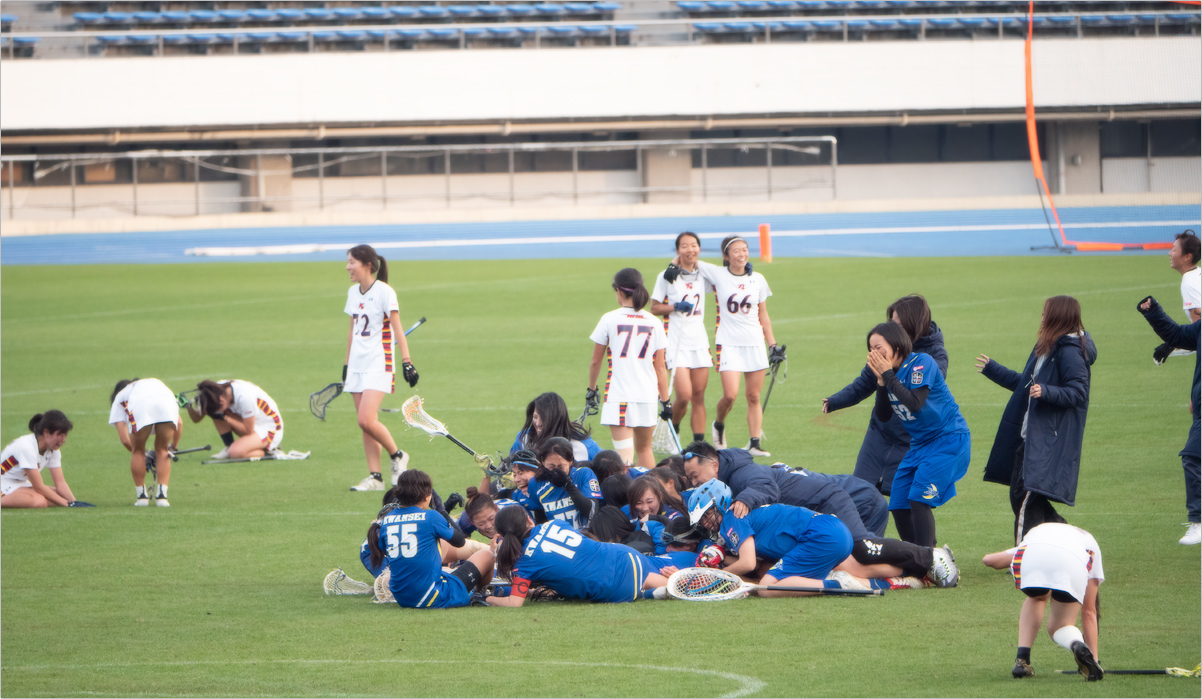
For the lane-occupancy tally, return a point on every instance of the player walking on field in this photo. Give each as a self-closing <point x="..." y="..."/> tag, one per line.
<point x="142" y="407"/>
<point x="247" y="419"/>
<point x="680" y="301"/>
<point x="743" y="328"/>
<point x="634" y="341"/>
<point x="24" y="459"/>
<point x="370" y="370"/>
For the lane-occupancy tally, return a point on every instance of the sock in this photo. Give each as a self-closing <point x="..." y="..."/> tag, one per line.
<point x="1066" y="635"/>
<point x="698" y="437"/>
<point x="755" y="443"/>
<point x="162" y="491"/>
<point x="228" y="439"/>
<point x="141" y="491"/>
<point x="1024" y="653"/>
<point x="397" y="454"/>
<point x="878" y="584"/>
<point x="720" y="427"/>
<point x="375" y="475"/>
<point x="904" y="524"/>
<point x="923" y="520"/>
<point x="831" y="585"/>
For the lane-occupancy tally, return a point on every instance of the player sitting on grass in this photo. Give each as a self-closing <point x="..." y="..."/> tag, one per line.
<point x="612" y="526"/>
<point x="21" y="485"/>
<point x="1064" y="563"/>
<point x="480" y="514"/>
<point x="557" y="556"/>
<point x="408" y="540"/>
<point x="450" y="555"/>
<point x="247" y="419"/>
<point x="563" y="491"/>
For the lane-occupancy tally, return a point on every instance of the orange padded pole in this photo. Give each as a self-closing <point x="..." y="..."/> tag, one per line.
<point x="765" y="243"/>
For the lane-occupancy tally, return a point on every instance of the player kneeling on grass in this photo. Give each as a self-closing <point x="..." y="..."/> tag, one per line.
<point x="1064" y="563"/>
<point x="555" y="555"/>
<point x="142" y="407"/>
<point x="246" y="418"/>
<point x="408" y="537"/>
<point x="21" y="484"/>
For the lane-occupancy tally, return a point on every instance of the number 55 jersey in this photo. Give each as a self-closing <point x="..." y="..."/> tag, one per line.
<point x="575" y="566"/>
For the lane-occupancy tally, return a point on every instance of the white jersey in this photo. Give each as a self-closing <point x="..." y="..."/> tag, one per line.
<point x="1191" y="291"/>
<point x="22" y="455"/>
<point x="686" y="332"/>
<point x="633" y="338"/>
<point x="144" y="402"/>
<point x="739" y="298"/>
<point x="252" y="401"/>
<point x="373" y="343"/>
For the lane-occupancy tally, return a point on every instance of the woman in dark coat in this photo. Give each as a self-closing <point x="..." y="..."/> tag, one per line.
<point x="1037" y="451"/>
<point x="886" y="443"/>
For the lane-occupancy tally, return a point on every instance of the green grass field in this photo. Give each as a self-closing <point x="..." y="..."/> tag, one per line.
<point x="220" y="595"/>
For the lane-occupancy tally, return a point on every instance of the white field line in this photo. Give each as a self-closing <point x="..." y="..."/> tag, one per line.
<point x="310" y="248"/>
<point x="746" y="685"/>
<point x="92" y="387"/>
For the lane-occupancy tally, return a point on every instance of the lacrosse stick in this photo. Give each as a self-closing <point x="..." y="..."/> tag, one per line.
<point x="1172" y="671"/>
<point x="192" y="398"/>
<point x="175" y="454"/>
<point x="716" y="585"/>
<point x="665" y="440"/>
<point x="773" y="367"/>
<point x="339" y="583"/>
<point x="415" y="416"/>
<point x="275" y="455"/>
<point x="587" y="411"/>
<point x="321" y="399"/>
<point x="382" y="594"/>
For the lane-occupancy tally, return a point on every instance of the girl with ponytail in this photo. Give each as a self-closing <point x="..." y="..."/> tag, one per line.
<point x="21" y="484"/>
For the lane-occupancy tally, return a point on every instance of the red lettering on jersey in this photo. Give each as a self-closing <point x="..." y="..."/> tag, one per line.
<point x="740" y="287"/>
<point x="688" y="285"/>
<point x="630" y="316"/>
<point x="361" y="306"/>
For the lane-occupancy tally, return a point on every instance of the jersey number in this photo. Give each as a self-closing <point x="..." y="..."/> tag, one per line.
<point x="696" y="301"/>
<point x="900" y="410"/>
<point x="355" y="321"/>
<point x="734" y="305"/>
<point x="635" y="330"/>
<point x="406" y="544"/>
<point x="564" y="536"/>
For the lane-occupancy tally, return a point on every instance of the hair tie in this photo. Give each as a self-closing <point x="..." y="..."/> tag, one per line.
<point x="628" y="291"/>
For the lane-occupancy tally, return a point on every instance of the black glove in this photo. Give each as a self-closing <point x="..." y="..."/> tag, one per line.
<point x="478" y="599"/>
<point x="592" y="401"/>
<point x="683" y="307"/>
<point x="79" y="503"/>
<point x="409" y="373"/>
<point x="343" y="373"/>
<point x="749" y="267"/>
<point x="1151" y="308"/>
<point x="556" y="477"/>
<point x="665" y="410"/>
<point x="455" y="500"/>
<point x="1162" y="353"/>
<point x="672" y="273"/>
<point x="776" y="354"/>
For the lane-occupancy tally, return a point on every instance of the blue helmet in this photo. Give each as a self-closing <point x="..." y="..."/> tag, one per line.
<point x="712" y="492"/>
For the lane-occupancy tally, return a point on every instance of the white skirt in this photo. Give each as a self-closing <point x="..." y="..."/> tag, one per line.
<point x="629" y="414"/>
<point x="151" y="402"/>
<point x="358" y="382"/>
<point x="742" y="358"/>
<point x="1052" y="567"/>
<point x="692" y="359"/>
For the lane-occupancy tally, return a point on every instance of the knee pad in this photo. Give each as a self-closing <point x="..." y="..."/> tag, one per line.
<point x="620" y="444"/>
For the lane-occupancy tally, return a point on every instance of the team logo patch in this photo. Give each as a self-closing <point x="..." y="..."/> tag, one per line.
<point x="361" y="306"/>
<point x="916" y="374"/>
<point x="930" y="493"/>
<point x="732" y="540"/>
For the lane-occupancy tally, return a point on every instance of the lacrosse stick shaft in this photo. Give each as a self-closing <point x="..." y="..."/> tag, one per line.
<point x="768" y="393"/>
<point x="414" y="326"/>
<point x="195" y="449"/>
<point x="1121" y="672"/>
<point x="462" y="446"/>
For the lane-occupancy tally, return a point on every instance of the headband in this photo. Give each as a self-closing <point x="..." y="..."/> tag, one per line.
<point x="731" y="242"/>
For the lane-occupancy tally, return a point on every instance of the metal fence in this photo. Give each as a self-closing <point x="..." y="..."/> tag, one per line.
<point x="812" y="163"/>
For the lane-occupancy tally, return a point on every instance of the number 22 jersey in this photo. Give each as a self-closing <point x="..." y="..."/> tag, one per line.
<point x="372" y="337"/>
<point x="939" y="415"/>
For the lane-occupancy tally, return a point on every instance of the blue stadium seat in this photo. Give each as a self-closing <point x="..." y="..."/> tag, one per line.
<point x="810" y="5"/>
<point x="193" y="38"/>
<point x="118" y="17"/>
<point x="685" y="5"/>
<point x="432" y="11"/>
<point x="563" y="31"/>
<point x="752" y="5"/>
<point x="710" y="27"/>
<point x="501" y="32"/>
<point x="520" y="10"/>
<point x="578" y="8"/>
<point x="352" y="34"/>
<point x="841" y="5"/>
<point x="88" y="17"/>
<point x="607" y="6"/>
<point x="443" y="33"/>
<point x="291" y="36"/>
<point x="491" y="10"/>
<point x="1121" y="19"/>
<point x="856" y="25"/>
<point x="259" y="37"/>
<point x="1092" y="20"/>
<point x="462" y="10"/>
<point x="594" y="30"/>
<point x="827" y="25"/>
<point x="738" y="27"/>
<point x="530" y="31"/>
<point x="769" y="26"/>
<point x="402" y="11"/>
<point x="143" y="39"/>
<point x="376" y="14"/>
<point x="411" y="34"/>
<point x="146" y="17"/>
<point x="319" y="13"/>
<point x="290" y="14"/>
<point x="111" y="40"/>
<point x="899" y="4"/>
<point x="625" y="28"/>
<point x="782" y="5"/>
<point x="797" y="25"/>
<point x="870" y="4"/>
<point x="1007" y="22"/>
<point x="261" y="15"/>
<point x="347" y="13"/>
<point x="176" y="16"/>
<point x="325" y="36"/>
<point x="1181" y="18"/>
<point x="379" y="34"/>
<point x="942" y="23"/>
<point x="233" y="15"/>
<point x="225" y="37"/>
<point x="25" y="41"/>
<point x="204" y="16"/>
<point x="549" y="8"/>
<point x="885" y="24"/>
<point x="175" y="39"/>
<point x="972" y="22"/>
<point x="720" y="5"/>
<point x="1062" y="21"/>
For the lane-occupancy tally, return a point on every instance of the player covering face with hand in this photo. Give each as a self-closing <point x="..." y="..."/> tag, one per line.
<point x="247" y="419"/>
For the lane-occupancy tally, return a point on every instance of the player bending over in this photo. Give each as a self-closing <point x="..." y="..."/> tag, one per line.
<point x="409" y="538"/>
<point x="247" y="419"/>
<point x="142" y="407"/>
<point x="21" y="484"/>
<point x="1064" y="563"/>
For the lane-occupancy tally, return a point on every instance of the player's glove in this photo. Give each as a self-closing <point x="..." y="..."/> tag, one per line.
<point x="683" y="307"/>
<point x="455" y="500"/>
<point x="556" y="477"/>
<point x="409" y="373"/>
<point x="665" y="410"/>
<point x="672" y="273"/>
<point x="1153" y="306"/>
<point x="710" y="557"/>
<point x="343" y="373"/>
<point x="592" y="401"/>
<point x="1162" y="353"/>
<point x="776" y="354"/>
<point x="79" y="503"/>
<point x="479" y="599"/>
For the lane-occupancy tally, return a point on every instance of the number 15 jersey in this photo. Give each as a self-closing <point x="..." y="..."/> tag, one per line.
<point x="575" y="566"/>
<point x="739" y="298"/>
<point x="633" y="338"/>
<point x="372" y="339"/>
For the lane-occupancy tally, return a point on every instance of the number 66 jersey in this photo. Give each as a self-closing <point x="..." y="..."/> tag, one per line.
<point x="739" y="298"/>
<point x="577" y="567"/>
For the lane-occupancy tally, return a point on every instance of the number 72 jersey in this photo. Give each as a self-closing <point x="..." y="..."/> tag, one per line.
<point x="372" y="337"/>
<point x="633" y="337"/>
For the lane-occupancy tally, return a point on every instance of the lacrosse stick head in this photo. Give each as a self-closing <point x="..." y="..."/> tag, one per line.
<point x="499" y="468"/>
<point x="382" y="594"/>
<point x="319" y="400"/>
<point x="415" y="416"/>
<point x="662" y="441"/>
<point x="705" y="585"/>
<point x="339" y="583"/>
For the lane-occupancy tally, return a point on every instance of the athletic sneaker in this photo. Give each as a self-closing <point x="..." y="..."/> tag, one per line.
<point x="847" y="581"/>
<point x="944" y="571"/>
<point x="160" y="500"/>
<point x="1086" y="664"/>
<point x="398" y="465"/>
<point x="223" y="454"/>
<point x="908" y="582"/>
<point x="369" y="483"/>
<point x="1193" y="535"/>
<point x="1022" y="669"/>
<point x="142" y="501"/>
<point x="755" y="451"/>
<point x="718" y="435"/>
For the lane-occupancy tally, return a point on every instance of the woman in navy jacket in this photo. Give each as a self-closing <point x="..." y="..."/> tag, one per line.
<point x="1037" y="451"/>
<point x="886" y="443"/>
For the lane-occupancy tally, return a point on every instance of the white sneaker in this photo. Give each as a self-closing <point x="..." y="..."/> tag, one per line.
<point x="223" y="454"/>
<point x="755" y="451"/>
<point x="142" y="501"/>
<point x="908" y="582"/>
<point x="369" y="483"/>
<point x="847" y="581"/>
<point x="398" y="465"/>
<point x="719" y="438"/>
<point x="161" y="500"/>
<point x="944" y="571"/>
<point x="1193" y="535"/>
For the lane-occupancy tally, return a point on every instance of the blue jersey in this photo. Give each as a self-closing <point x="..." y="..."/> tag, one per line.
<point x="527" y="501"/>
<point x="575" y="566"/>
<point x="665" y="511"/>
<point x="558" y="504"/>
<point x="365" y="557"/>
<point x="939" y="415"/>
<point x="678" y="559"/>
<point x="465" y="522"/>
<point x="582" y="449"/>
<point x="777" y="529"/>
<point x="412" y="540"/>
<point x="636" y="471"/>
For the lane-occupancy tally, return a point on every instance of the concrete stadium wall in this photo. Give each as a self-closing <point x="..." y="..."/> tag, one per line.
<point x="500" y="85"/>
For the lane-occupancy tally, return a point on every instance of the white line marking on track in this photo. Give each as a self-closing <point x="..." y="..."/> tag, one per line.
<point x="746" y="685"/>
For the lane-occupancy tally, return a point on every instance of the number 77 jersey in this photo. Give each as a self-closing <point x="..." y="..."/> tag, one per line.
<point x="575" y="566"/>
<point x="633" y="338"/>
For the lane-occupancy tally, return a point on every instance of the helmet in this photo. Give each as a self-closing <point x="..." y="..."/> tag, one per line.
<point x="680" y="531"/>
<point x="712" y="492"/>
<point x="524" y="458"/>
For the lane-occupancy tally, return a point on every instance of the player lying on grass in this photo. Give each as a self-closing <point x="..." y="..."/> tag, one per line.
<point x="753" y="485"/>
<point x="22" y="462"/>
<point x="140" y="408"/>
<point x="247" y="419"/>
<point x="555" y="555"/>
<point x="682" y="541"/>
<point x="612" y="526"/>
<point x="546" y="417"/>
<point x="1064" y="563"/>
<point x="409" y="540"/>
